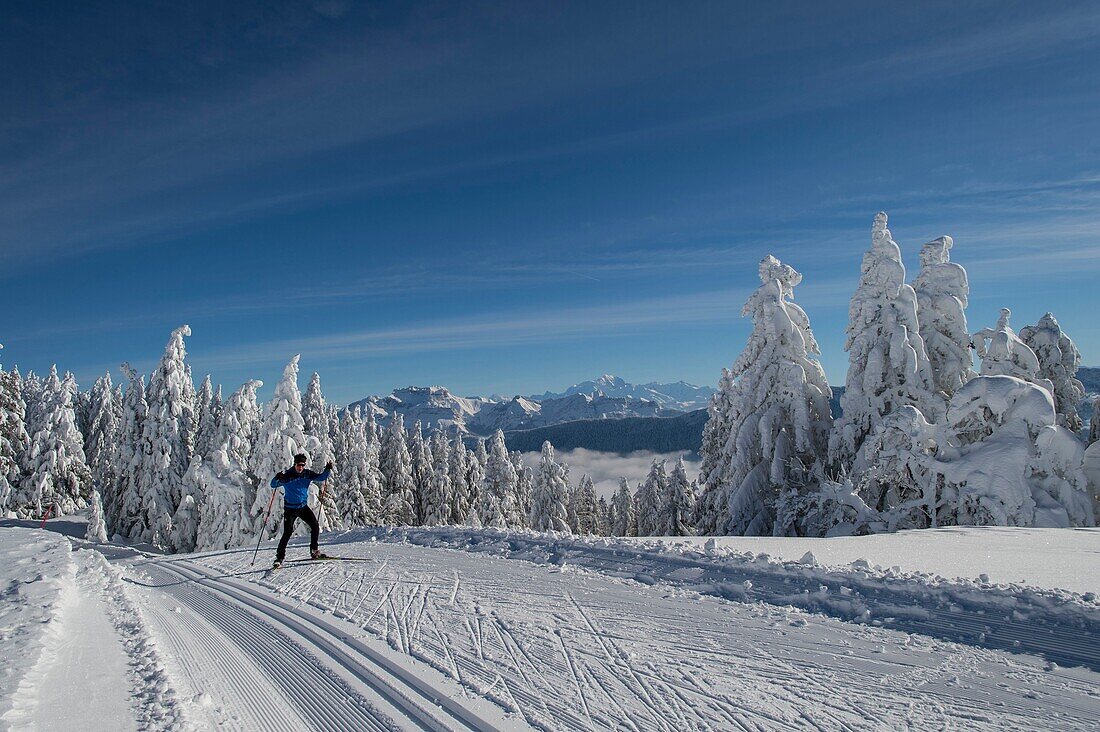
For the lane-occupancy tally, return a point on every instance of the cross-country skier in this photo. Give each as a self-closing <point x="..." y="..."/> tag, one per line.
<point x="295" y="482"/>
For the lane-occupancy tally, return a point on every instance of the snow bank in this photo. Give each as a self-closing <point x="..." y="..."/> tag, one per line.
<point x="1051" y="559"/>
<point x="39" y="579"/>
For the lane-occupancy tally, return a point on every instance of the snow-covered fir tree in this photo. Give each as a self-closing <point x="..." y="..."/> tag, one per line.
<point x="1059" y="360"/>
<point x="208" y="413"/>
<point x="622" y="511"/>
<point x="711" y="509"/>
<point x="899" y="483"/>
<point x="422" y="471"/>
<point x="185" y="521"/>
<point x="586" y="510"/>
<point x="524" y="479"/>
<point x="887" y="363"/>
<point x="475" y="478"/>
<point x="647" y="501"/>
<point x="374" y="485"/>
<point x="101" y="442"/>
<point x="315" y="424"/>
<point x="97" y="527"/>
<point x="281" y="436"/>
<point x="501" y="481"/>
<point x="778" y="418"/>
<point x="942" y="292"/>
<point x="1004" y="354"/>
<point x="56" y="477"/>
<point x="190" y="416"/>
<point x="603" y="527"/>
<point x="358" y="499"/>
<point x="677" y="503"/>
<point x="228" y="490"/>
<point x="14" y="439"/>
<point x="32" y="400"/>
<point x="314" y="415"/>
<point x="460" y="486"/>
<point x="548" y="494"/>
<point x="1004" y="460"/>
<point x="82" y="408"/>
<point x="438" y="497"/>
<point x="399" y="501"/>
<point x="125" y="513"/>
<point x="166" y="440"/>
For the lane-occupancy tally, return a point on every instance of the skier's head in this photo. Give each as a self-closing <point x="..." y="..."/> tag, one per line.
<point x="299" y="462"/>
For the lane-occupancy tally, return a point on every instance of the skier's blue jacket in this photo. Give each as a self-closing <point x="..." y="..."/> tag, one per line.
<point x="296" y="485"/>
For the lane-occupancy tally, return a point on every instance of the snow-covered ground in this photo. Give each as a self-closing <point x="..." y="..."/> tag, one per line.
<point x="462" y="629"/>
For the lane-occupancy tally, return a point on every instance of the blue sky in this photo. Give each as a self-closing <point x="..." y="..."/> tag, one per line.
<point x="512" y="197"/>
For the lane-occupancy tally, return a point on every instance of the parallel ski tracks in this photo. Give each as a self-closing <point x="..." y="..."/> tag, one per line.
<point x="230" y="606"/>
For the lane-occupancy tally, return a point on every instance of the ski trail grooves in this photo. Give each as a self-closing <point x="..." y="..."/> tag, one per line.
<point x="417" y="701"/>
<point x="323" y="701"/>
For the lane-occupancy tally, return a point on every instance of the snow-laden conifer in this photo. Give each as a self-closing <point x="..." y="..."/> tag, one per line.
<point x="190" y="416"/>
<point x="358" y="497"/>
<point x="887" y="363"/>
<point x="224" y="514"/>
<point x="315" y="424"/>
<point x="622" y="511"/>
<point x="501" y="481"/>
<point x="97" y="527"/>
<point x="128" y="517"/>
<point x="942" y="292"/>
<point x="647" y="501"/>
<point x="524" y="479"/>
<point x="208" y="412"/>
<point x="899" y="482"/>
<point x="166" y="439"/>
<point x="1004" y="354"/>
<point x="56" y="477"/>
<point x="281" y="436"/>
<point x="475" y="479"/>
<point x="1005" y="461"/>
<point x="101" y="443"/>
<point x="586" y="509"/>
<point x="677" y="503"/>
<point x="422" y="471"/>
<point x="399" y="501"/>
<point x="438" y="496"/>
<point x="778" y="420"/>
<point x="32" y="400"/>
<point x="82" y="408"/>
<point x="185" y="521"/>
<point x="603" y="526"/>
<point x="712" y="509"/>
<point x="460" y="486"/>
<point x="14" y="439"/>
<point x="547" y="494"/>
<point x="1059" y="360"/>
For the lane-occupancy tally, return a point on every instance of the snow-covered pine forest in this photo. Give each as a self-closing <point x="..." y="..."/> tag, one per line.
<point x="925" y="440"/>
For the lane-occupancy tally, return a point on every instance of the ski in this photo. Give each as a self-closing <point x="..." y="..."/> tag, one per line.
<point x="327" y="558"/>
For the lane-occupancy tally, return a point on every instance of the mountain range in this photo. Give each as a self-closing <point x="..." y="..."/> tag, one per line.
<point x="680" y="396"/>
<point x="608" y="397"/>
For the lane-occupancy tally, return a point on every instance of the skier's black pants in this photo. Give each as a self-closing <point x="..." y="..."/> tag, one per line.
<point x="290" y="515"/>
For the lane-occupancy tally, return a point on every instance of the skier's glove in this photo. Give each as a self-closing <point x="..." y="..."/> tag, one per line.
<point x="328" y="465"/>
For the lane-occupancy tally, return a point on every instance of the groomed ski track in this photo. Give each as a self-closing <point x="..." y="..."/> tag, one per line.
<point x="434" y="635"/>
<point x="332" y="680"/>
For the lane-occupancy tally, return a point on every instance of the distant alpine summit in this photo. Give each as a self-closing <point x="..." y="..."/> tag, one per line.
<point x="608" y="397"/>
<point x="680" y="396"/>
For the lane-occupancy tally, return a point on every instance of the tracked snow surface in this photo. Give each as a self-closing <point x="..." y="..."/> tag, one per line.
<point x="454" y="628"/>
